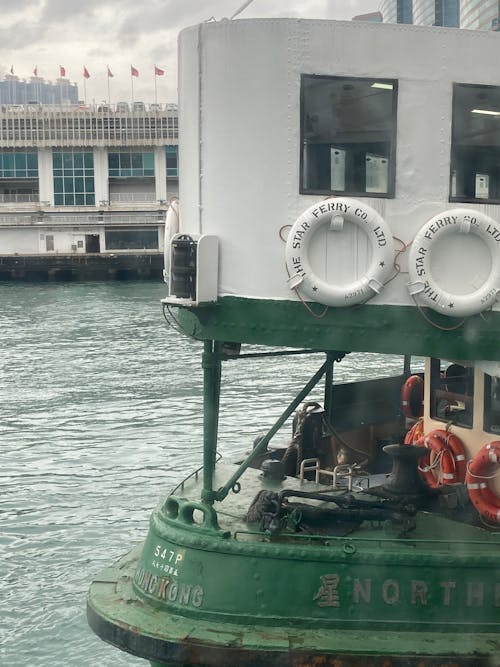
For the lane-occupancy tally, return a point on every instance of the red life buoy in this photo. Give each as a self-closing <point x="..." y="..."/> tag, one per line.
<point x="480" y="469"/>
<point x="446" y="457"/>
<point x="415" y="432"/>
<point x="439" y="459"/>
<point x="457" y="450"/>
<point x="412" y="397"/>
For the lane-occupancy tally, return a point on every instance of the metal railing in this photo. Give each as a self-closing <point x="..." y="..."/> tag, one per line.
<point x="38" y="219"/>
<point x="67" y="126"/>
<point x="131" y="197"/>
<point x="19" y="198"/>
<point x="102" y="107"/>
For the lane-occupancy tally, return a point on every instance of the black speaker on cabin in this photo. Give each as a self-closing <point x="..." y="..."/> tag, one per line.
<point x="183" y="268"/>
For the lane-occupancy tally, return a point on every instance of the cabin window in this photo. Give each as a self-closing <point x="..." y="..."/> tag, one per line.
<point x="348" y="136"/>
<point x="491" y="404"/>
<point x="475" y="144"/>
<point x="452" y="387"/>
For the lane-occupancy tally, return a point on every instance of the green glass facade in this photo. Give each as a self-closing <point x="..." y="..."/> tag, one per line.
<point x="73" y="178"/>
<point x="172" y="161"/>
<point x="18" y="165"/>
<point x="126" y="164"/>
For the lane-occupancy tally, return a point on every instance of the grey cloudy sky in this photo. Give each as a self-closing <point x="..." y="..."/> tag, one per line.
<point x="93" y="33"/>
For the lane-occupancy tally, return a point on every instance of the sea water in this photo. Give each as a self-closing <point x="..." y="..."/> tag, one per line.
<point x="100" y="416"/>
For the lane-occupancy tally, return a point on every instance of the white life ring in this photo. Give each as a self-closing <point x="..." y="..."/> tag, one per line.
<point x="332" y="213"/>
<point x="422" y="285"/>
<point x="171" y="228"/>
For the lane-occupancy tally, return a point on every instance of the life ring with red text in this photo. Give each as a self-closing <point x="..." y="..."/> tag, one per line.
<point x="445" y="463"/>
<point x="480" y="469"/>
<point x="412" y="397"/>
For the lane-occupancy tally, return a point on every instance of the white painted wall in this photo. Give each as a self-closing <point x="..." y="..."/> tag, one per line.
<point x="132" y="186"/>
<point x="20" y="241"/>
<point x="101" y="175"/>
<point x="160" y="171"/>
<point x="239" y="155"/>
<point x="29" y="240"/>
<point x="45" y="175"/>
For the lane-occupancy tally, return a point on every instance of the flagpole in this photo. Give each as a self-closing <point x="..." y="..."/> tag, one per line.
<point x="84" y="90"/>
<point x="156" y="96"/>
<point x="109" y="96"/>
<point x="132" y="86"/>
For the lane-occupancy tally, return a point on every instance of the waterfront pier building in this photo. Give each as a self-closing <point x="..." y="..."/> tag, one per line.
<point x="84" y="190"/>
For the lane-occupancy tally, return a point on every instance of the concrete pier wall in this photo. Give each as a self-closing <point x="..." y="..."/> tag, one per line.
<point x="44" y="268"/>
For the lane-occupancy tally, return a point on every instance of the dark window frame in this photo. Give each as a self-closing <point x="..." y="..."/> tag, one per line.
<point x="442" y="396"/>
<point x="391" y="175"/>
<point x="117" y="238"/>
<point x="454" y="148"/>
<point x="489" y="425"/>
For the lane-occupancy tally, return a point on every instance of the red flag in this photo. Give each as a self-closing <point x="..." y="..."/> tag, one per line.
<point x="110" y="73"/>
<point x="86" y="73"/>
<point x="158" y="71"/>
<point x="62" y="71"/>
<point x="133" y="71"/>
<point x="35" y="71"/>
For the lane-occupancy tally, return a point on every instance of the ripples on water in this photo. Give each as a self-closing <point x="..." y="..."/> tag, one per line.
<point x="100" y="416"/>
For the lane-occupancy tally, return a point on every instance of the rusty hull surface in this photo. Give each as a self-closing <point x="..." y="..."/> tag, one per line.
<point x="120" y="618"/>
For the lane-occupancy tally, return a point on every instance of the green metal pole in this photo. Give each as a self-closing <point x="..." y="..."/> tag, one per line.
<point x="211" y="363"/>
<point x="328" y="402"/>
<point x="262" y="446"/>
<point x="407" y="364"/>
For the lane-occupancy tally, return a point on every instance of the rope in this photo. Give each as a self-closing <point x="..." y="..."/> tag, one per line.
<point x="395" y="263"/>
<point x="494" y="476"/>
<point x="433" y="464"/>
<point x="263" y="504"/>
<point x="176" y="327"/>
<point x="318" y="316"/>
<point x="435" y="324"/>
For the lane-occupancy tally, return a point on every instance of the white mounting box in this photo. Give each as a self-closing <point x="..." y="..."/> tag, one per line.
<point x="206" y="271"/>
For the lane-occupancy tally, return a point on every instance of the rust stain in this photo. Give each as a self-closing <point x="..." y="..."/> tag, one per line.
<point x="366" y="661"/>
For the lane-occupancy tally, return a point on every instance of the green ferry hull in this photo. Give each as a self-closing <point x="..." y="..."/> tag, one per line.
<point x="195" y="594"/>
<point x="115" y="613"/>
<point x="384" y="329"/>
